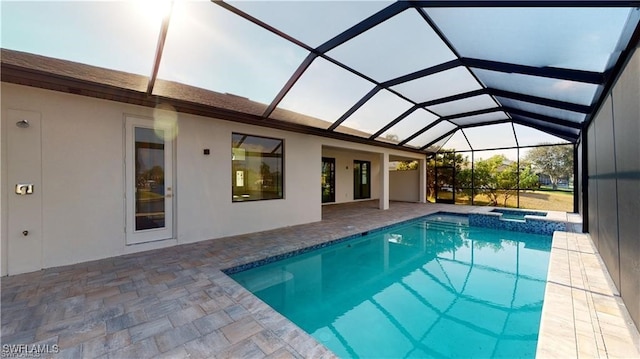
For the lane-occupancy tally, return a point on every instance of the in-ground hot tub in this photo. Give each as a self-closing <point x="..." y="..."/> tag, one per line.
<point x="517" y="215"/>
<point x="537" y="222"/>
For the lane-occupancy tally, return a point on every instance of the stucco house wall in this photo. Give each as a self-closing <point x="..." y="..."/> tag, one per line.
<point x="404" y="186"/>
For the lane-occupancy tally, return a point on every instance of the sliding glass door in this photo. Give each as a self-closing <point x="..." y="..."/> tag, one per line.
<point x="361" y="179"/>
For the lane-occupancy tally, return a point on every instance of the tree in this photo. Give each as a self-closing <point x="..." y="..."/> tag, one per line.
<point x="528" y="178"/>
<point x="510" y="180"/>
<point x="407" y="166"/>
<point x="498" y="176"/>
<point x="553" y="161"/>
<point x="486" y="175"/>
<point x="444" y="158"/>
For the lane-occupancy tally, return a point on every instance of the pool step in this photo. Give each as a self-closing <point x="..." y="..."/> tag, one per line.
<point x="440" y="225"/>
<point x="274" y="277"/>
<point x="513" y="220"/>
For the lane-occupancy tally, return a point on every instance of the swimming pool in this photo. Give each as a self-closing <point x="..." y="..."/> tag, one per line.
<point x="424" y="288"/>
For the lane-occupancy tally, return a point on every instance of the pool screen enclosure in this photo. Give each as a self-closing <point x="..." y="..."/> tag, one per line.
<point x="411" y="76"/>
<point x="406" y="74"/>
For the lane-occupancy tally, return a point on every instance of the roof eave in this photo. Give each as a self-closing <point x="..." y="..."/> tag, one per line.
<point x="19" y="75"/>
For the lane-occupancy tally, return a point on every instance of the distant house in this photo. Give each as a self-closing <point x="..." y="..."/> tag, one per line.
<point x="543" y="179"/>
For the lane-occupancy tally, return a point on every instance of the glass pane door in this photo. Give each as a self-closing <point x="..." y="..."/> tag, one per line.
<point x="149" y="189"/>
<point x="328" y="180"/>
<point x="361" y="179"/>
<point x="149" y="170"/>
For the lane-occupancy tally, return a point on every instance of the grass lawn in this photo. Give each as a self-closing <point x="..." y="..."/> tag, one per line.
<point x="559" y="200"/>
<point x="550" y="200"/>
<point x="143" y="195"/>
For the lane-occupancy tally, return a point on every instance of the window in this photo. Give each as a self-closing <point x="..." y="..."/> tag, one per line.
<point x="257" y="168"/>
<point x="149" y="171"/>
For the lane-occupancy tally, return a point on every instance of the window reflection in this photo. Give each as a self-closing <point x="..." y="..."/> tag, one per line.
<point x="150" y="196"/>
<point x="257" y="170"/>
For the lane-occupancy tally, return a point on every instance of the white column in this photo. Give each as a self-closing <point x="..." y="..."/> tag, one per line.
<point x="422" y="167"/>
<point x="384" y="181"/>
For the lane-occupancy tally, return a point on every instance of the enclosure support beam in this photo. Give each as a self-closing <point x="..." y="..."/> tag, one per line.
<point x="384" y="181"/>
<point x="585" y="180"/>
<point x="422" y="167"/>
<point x="576" y="187"/>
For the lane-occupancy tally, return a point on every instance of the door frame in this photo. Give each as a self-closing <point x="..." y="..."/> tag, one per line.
<point x="133" y="236"/>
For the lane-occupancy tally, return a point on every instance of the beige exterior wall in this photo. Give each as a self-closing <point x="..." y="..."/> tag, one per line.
<point x="83" y="179"/>
<point x="404" y="186"/>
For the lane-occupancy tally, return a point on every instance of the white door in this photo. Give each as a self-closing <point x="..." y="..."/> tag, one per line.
<point x="149" y="180"/>
<point x="24" y="203"/>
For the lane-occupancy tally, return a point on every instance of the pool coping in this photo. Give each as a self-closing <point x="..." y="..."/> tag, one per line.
<point x="583" y="314"/>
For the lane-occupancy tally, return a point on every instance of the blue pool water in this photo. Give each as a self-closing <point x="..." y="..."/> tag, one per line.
<point x="426" y="288"/>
